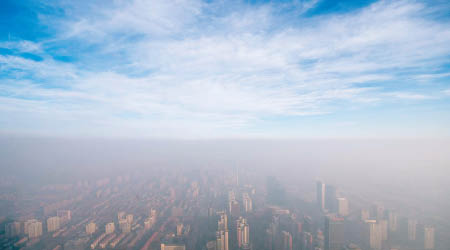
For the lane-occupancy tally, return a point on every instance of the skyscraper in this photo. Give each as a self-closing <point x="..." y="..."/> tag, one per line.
<point x="330" y="198"/>
<point x="412" y="228"/>
<point x="286" y="240"/>
<point x="172" y="246"/>
<point x="110" y="228"/>
<point x="33" y="228"/>
<point x="342" y="206"/>
<point x="383" y="229"/>
<point x="377" y="211"/>
<point x="373" y="235"/>
<point x="12" y="229"/>
<point x="392" y="220"/>
<point x="334" y="233"/>
<point x="429" y="237"/>
<point x="53" y="223"/>
<point x="248" y="206"/>
<point x="91" y="228"/>
<point x="320" y="192"/>
<point x="243" y="235"/>
<point x="222" y="232"/>
<point x="64" y="215"/>
<point x="222" y="239"/>
<point x="365" y="214"/>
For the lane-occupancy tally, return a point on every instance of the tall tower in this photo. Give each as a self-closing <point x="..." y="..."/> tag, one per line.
<point x="392" y="220"/>
<point x="334" y="233"/>
<point x="429" y="238"/>
<point x="330" y="198"/>
<point x="243" y="236"/>
<point x="286" y="240"/>
<point x="342" y="206"/>
<point x="373" y="235"/>
<point x="53" y="224"/>
<point x="412" y="228"/>
<point x="320" y="192"/>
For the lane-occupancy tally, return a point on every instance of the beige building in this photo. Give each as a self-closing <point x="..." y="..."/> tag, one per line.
<point x="33" y="228"/>
<point x="53" y="223"/>
<point x="91" y="228"/>
<point x="172" y="246"/>
<point x="429" y="238"/>
<point x="110" y="228"/>
<point x="412" y="228"/>
<point x="373" y="234"/>
<point x="342" y="206"/>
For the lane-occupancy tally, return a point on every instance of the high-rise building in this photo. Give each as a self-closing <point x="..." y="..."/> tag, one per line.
<point x="12" y="229"/>
<point x="429" y="238"/>
<point x="365" y="214"/>
<point x="377" y="211"/>
<point x="222" y="240"/>
<point x="342" y="206"/>
<point x="286" y="240"/>
<point x="148" y="223"/>
<point x="211" y="245"/>
<point x="64" y="216"/>
<point x="320" y="192"/>
<point x="121" y="215"/>
<point x="53" y="223"/>
<point x="180" y="227"/>
<point x="125" y="225"/>
<point x="412" y="228"/>
<point x="373" y="235"/>
<point x="153" y="213"/>
<point x="91" y="228"/>
<point x="129" y="218"/>
<point x="334" y="233"/>
<point x="110" y="228"/>
<point x="330" y="198"/>
<point x="172" y="246"/>
<point x="33" y="228"/>
<point x="392" y="220"/>
<point x="234" y="208"/>
<point x="222" y="224"/>
<point x="243" y="234"/>
<point x="383" y="229"/>
<point x="222" y="232"/>
<point x="248" y="206"/>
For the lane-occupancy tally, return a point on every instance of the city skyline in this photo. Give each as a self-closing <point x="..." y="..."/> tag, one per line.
<point x="212" y="69"/>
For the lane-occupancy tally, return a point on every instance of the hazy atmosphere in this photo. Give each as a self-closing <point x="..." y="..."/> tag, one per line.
<point x="225" y="125"/>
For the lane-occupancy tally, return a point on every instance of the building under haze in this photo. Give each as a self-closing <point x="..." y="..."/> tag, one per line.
<point x="33" y="228"/>
<point x="373" y="238"/>
<point x="330" y="198"/>
<point x="320" y="194"/>
<point x="12" y="229"/>
<point x="110" y="228"/>
<point x="243" y="233"/>
<point x="91" y="228"/>
<point x="169" y="246"/>
<point x="429" y="237"/>
<point x="286" y="240"/>
<point x="53" y="223"/>
<point x="342" y="204"/>
<point x="412" y="229"/>
<point x="334" y="233"/>
<point x="392" y="220"/>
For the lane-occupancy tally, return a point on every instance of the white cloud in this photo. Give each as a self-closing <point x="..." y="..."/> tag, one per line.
<point x="224" y="73"/>
<point x="409" y="96"/>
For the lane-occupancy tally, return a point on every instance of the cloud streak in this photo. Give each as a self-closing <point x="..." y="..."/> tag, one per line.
<point x="197" y="69"/>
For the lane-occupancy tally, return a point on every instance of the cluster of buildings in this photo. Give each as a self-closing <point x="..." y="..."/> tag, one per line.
<point x="375" y="228"/>
<point x="32" y="229"/>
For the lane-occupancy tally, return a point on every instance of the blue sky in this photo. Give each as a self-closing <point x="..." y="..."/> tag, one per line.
<point x="225" y="69"/>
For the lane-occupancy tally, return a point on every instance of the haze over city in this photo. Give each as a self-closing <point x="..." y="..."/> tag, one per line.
<point x="225" y="125"/>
